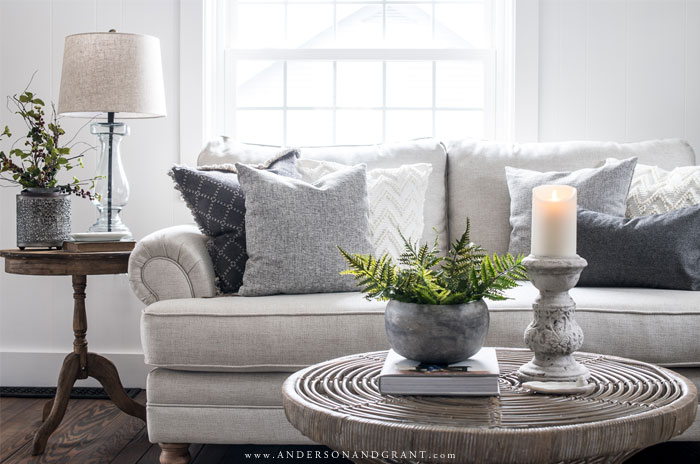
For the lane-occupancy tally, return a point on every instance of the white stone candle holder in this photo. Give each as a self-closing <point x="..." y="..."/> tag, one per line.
<point x="553" y="335"/>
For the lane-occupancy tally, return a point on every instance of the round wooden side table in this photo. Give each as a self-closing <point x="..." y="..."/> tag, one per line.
<point x="79" y="364"/>
<point x="634" y="405"/>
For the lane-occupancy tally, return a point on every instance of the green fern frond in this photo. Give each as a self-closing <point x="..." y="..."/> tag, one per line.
<point x="466" y="274"/>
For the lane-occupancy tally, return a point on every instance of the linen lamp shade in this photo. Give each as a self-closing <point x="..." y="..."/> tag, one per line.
<point x="111" y="72"/>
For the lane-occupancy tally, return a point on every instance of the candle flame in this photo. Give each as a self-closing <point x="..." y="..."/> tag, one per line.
<point x="554" y="195"/>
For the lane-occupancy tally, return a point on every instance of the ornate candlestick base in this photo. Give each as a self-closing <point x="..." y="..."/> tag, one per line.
<point x="553" y="335"/>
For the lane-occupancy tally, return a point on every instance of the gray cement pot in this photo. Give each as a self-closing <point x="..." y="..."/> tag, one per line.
<point x="440" y="334"/>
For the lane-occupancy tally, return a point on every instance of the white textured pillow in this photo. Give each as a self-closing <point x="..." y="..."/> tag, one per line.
<point x="396" y="200"/>
<point x="657" y="191"/>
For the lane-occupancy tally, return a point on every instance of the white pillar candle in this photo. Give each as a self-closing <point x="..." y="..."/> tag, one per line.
<point x="553" y="221"/>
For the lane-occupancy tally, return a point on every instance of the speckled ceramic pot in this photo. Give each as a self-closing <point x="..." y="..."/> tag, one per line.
<point x="43" y="218"/>
<point x="440" y="334"/>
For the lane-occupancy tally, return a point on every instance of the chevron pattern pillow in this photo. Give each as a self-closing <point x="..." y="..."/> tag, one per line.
<point x="396" y="200"/>
<point x="656" y="191"/>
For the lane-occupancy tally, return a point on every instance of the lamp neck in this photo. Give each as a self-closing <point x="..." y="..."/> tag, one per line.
<point x="110" y="117"/>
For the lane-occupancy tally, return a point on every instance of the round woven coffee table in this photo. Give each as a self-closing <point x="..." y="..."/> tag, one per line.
<point x="634" y="405"/>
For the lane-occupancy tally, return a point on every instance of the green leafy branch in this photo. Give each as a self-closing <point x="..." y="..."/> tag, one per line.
<point x="422" y="276"/>
<point x="37" y="163"/>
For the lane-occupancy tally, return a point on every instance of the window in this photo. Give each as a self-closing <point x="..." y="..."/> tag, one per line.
<point x="314" y="72"/>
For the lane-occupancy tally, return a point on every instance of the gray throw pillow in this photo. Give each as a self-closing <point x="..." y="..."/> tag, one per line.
<point x="217" y="204"/>
<point x="602" y="189"/>
<point x="659" y="251"/>
<point x="293" y="229"/>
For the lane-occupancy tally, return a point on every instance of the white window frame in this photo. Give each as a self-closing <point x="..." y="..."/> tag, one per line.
<point x="206" y="106"/>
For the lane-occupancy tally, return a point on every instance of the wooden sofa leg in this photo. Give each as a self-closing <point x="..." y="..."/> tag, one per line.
<point x="174" y="453"/>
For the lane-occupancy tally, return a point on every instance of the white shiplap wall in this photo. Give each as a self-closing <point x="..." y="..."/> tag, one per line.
<point x="36" y="312"/>
<point x="621" y="70"/>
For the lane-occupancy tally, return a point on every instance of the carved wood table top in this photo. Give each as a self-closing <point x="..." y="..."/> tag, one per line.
<point x="633" y="405"/>
<point x="79" y="364"/>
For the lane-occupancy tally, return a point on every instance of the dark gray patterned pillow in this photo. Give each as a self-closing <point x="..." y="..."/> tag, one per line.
<point x="217" y="203"/>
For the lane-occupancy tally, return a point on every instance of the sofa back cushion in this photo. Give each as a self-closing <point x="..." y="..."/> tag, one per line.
<point x="476" y="181"/>
<point x="389" y="155"/>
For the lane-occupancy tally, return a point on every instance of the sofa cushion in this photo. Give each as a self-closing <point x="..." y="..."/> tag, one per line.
<point x="294" y="229"/>
<point x="389" y="155"/>
<point x="657" y="251"/>
<point x="656" y="191"/>
<point x="476" y="181"/>
<point x="396" y="201"/>
<point x="284" y="333"/>
<point x="216" y="201"/>
<point x="602" y="189"/>
<point x="651" y="325"/>
<point x="269" y="333"/>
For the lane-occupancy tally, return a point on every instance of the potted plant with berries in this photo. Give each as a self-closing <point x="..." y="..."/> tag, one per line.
<point x="34" y="162"/>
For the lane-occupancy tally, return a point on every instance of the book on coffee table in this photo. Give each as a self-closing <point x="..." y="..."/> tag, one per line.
<point x="476" y="376"/>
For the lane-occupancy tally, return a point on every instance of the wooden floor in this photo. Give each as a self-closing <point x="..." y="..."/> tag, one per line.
<point x="94" y="431"/>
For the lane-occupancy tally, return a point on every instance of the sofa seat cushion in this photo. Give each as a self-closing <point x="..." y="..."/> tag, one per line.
<point x="651" y="325"/>
<point x="283" y="333"/>
<point x="279" y="333"/>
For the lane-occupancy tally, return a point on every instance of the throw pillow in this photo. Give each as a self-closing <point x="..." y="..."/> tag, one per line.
<point x="602" y="189"/>
<point x="396" y="200"/>
<point x="214" y="196"/>
<point x="655" y="190"/>
<point x="660" y="251"/>
<point x="293" y="230"/>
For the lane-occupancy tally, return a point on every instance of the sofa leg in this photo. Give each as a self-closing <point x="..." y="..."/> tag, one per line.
<point x="174" y="453"/>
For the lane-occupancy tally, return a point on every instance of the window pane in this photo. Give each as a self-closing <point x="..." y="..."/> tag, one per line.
<point x="309" y="83"/>
<point x="409" y="84"/>
<point x="359" y="84"/>
<point x="409" y="25"/>
<point x="259" y="26"/>
<point x="459" y="84"/>
<point x="259" y="126"/>
<point x="458" y="124"/>
<point x="408" y="124"/>
<point x="359" y="26"/>
<point x="358" y="127"/>
<point x="309" y="127"/>
<point x="309" y="26"/>
<point x="460" y="25"/>
<point x="259" y="83"/>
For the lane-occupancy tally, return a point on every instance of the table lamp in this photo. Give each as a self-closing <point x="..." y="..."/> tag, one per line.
<point x="103" y="74"/>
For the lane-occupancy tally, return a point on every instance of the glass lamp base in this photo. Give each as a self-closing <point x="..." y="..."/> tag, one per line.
<point x="116" y="225"/>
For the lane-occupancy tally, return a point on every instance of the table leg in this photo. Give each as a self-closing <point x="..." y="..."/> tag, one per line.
<point x="66" y="379"/>
<point x="79" y="365"/>
<point x="104" y="371"/>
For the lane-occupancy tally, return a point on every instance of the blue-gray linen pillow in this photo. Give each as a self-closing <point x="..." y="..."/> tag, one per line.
<point x="659" y="251"/>
<point x="293" y="230"/>
<point x="214" y="196"/>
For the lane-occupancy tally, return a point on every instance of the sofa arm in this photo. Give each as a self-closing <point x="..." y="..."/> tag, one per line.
<point x="172" y="263"/>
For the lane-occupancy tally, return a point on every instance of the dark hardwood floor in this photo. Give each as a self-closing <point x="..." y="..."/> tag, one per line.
<point x="95" y="431"/>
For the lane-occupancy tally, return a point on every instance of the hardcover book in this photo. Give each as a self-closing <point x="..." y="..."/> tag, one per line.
<point x="92" y="247"/>
<point x="476" y="376"/>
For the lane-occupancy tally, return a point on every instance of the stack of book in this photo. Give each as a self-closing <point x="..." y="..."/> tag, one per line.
<point x="476" y="376"/>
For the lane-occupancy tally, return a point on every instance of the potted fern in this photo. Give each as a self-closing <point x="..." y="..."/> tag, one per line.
<point x="436" y="311"/>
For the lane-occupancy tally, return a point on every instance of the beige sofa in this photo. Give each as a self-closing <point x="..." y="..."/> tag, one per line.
<point x="219" y="361"/>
